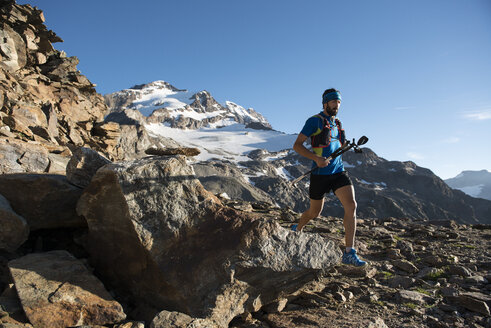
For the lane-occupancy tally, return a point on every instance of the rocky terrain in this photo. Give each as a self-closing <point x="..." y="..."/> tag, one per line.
<point x="105" y="223"/>
<point x="47" y="106"/>
<point x="143" y="244"/>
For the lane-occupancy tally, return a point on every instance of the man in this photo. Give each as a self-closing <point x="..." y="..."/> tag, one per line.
<point x="326" y="136"/>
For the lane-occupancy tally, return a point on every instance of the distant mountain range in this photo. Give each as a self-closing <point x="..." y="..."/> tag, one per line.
<point x="243" y="158"/>
<point x="473" y="183"/>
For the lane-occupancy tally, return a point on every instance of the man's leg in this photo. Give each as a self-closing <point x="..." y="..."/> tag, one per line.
<point x="346" y="196"/>
<point x="313" y="212"/>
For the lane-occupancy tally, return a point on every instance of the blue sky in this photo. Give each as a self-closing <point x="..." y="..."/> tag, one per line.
<point x="415" y="75"/>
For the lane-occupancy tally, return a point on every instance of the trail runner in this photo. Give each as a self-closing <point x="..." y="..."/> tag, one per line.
<point x="327" y="135"/>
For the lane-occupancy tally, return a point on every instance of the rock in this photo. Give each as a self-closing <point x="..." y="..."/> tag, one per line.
<point x="169" y="242"/>
<point x="135" y="140"/>
<point x="83" y="165"/>
<point x="56" y="290"/>
<point x="173" y="151"/>
<point x="17" y="156"/>
<point x="275" y="307"/>
<point x="449" y="291"/>
<point x="476" y="280"/>
<point x="394" y="254"/>
<point x="57" y="163"/>
<point x="167" y="319"/>
<point x="472" y="301"/>
<point x="14" y="230"/>
<point x="348" y="295"/>
<point x="401" y="282"/>
<point x="405" y="265"/>
<point x="429" y="272"/>
<point x="45" y="201"/>
<point x="131" y="324"/>
<point x="406" y="248"/>
<point x="339" y="297"/>
<point x="378" y="323"/>
<point x="433" y="260"/>
<point x="10" y="303"/>
<point x="408" y="296"/>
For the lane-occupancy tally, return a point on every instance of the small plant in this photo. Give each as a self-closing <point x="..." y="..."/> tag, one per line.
<point x="436" y="275"/>
<point x="410" y="305"/>
<point x="378" y="302"/>
<point x="464" y="246"/>
<point x="396" y="237"/>
<point x="423" y="291"/>
<point x="387" y="274"/>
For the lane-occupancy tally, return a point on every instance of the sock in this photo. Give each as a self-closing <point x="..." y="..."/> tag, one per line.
<point x="348" y="249"/>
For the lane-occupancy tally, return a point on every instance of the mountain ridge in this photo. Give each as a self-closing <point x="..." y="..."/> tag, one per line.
<point x="161" y="102"/>
<point x="474" y="183"/>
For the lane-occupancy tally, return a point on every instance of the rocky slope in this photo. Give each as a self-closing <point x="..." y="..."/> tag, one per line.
<point x="383" y="188"/>
<point x="474" y="183"/>
<point x="46" y="106"/>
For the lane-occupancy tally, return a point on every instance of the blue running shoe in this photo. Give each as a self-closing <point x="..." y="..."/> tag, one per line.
<point x="294" y="227"/>
<point x="352" y="259"/>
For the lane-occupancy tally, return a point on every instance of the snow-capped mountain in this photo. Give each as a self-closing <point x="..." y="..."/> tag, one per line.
<point x="161" y="102"/>
<point x="226" y="131"/>
<point x="474" y="183"/>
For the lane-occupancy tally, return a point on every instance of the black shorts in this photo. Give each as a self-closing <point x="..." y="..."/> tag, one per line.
<point x="322" y="184"/>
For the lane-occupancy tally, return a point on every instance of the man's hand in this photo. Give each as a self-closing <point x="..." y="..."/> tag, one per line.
<point x="322" y="161"/>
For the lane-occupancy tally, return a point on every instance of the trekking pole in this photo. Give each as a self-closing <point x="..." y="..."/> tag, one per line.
<point x="363" y="140"/>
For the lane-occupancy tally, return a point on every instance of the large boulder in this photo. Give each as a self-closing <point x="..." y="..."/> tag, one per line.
<point x="14" y="230"/>
<point x="46" y="201"/>
<point x="57" y="290"/>
<point x="156" y="233"/>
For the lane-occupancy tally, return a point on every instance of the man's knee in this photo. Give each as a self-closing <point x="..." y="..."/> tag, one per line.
<point x="350" y="206"/>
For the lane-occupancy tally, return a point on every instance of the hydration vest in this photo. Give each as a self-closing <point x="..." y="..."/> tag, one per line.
<point x="323" y="139"/>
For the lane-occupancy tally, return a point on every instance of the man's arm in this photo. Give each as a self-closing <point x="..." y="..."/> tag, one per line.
<point x="302" y="150"/>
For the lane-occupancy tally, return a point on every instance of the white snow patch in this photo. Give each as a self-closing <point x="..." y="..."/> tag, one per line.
<point x="376" y="185"/>
<point x="348" y="165"/>
<point x="152" y="98"/>
<point x="282" y="172"/>
<point x="231" y="142"/>
<point x="224" y="195"/>
<point x="473" y="191"/>
<point x="279" y="155"/>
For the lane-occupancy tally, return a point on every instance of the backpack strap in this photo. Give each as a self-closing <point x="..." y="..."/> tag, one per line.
<point x="323" y="137"/>
<point x="342" y="135"/>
